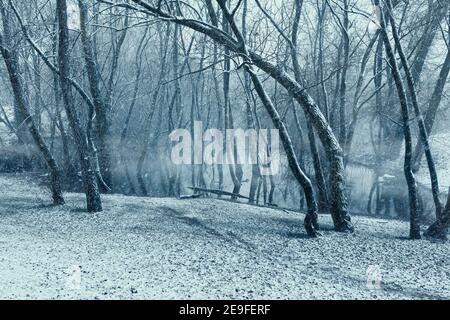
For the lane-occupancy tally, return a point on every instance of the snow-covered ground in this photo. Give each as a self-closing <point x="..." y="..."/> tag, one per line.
<point x="141" y="248"/>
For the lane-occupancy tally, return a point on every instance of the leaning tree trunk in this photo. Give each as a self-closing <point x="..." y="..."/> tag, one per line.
<point x="409" y="175"/>
<point x="338" y="200"/>
<point x="436" y="12"/>
<point x="422" y="130"/>
<point x="433" y="106"/>
<point x="318" y="170"/>
<point x="439" y="229"/>
<point x="311" y="219"/>
<point x="12" y="65"/>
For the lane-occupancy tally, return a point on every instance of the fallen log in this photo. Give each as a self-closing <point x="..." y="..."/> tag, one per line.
<point x="219" y="192"/>
<point x="193" y="196"/>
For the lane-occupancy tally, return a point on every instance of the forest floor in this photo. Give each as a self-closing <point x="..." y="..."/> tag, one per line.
<point x="144" y="248"/>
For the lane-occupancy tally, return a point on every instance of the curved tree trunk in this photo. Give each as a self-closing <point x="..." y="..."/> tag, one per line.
<point x="311" y="219"/>
<point x="409" y="175"/>
<point x="422" y="130"/>
<point x="12" y="66"/>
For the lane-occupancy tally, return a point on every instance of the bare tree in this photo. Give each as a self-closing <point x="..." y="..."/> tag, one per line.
<point x="94" y="203"/>
<point x="409" y="175"/>
<point x="12" y="64"/>
<point x="418" y="113"/>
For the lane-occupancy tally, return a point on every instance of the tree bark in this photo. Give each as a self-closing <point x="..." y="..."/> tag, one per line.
<point x="94" y="203"/>
<point x="343" y="85"/>
<point x="439" y="229"/>
<point x="407" y="167"/>
<point x="418" y="114"/>
<point x="433" y="107"/>
<point x="101" y="101"/>
<point x="13" y="68"/>
<point x="318" y="170"/>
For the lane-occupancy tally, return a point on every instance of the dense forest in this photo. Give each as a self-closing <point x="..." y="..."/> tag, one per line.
<point x="356" y="90"/>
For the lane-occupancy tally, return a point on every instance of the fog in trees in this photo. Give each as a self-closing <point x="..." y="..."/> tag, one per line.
<point x="341" y="105"/>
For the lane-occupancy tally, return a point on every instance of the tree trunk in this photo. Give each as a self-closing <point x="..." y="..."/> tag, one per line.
<point x="422" y="130"/>
<point x="439" y="229"/>
<point x="433" y="106"/>
<point x="409" y="175"/>
<point x="343" y="85"/>
<point x="318" y="170"/>
<point x="94" y="203"/>
<point x="13" y="68"/>
<point x="101" y="101"/>
<point x="311" y="219"/>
